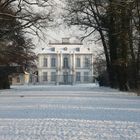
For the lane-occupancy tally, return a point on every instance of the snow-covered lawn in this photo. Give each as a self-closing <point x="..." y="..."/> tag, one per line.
<point x="79" y="112"/>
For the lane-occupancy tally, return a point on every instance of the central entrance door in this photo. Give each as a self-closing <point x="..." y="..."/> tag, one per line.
<point x="65" y="78"/>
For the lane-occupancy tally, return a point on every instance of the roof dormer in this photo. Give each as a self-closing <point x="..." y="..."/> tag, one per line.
<point x="65" y="40"/>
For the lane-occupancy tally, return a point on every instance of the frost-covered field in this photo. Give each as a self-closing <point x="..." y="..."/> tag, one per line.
<point x="79" y="112"/>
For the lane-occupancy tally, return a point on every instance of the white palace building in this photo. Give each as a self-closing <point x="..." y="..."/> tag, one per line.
<point x="65" y="63"/>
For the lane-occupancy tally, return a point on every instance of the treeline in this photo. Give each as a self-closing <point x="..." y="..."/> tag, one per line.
<point x="117" y="23"/>
<point x="19" y="19"/>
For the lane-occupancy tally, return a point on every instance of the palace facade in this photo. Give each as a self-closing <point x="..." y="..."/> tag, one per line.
<point x="65" y="63"/>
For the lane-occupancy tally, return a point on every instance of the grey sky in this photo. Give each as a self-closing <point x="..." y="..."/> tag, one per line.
<point x="56" y="33"/>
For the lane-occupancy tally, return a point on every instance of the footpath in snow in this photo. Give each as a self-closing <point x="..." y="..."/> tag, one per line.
<point x="79" y="112"/>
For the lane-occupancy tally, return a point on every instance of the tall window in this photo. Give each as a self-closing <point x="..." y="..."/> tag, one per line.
<point x="45" y="62"/>
<point x="65" y="62"/>
<point x="18" y="79"/>
<point x="53" y="62"/>
<point x="86" y="62"/>
<point x="53" y="76"/>
<point x="45" y="76"/>
<point x="78" y="76"/>
<point x="78" y="62"/>
<point x="86" y="76"/>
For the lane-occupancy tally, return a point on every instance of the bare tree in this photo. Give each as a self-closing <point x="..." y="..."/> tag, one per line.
<point x="112" y="20"/>
<point x="32" y="15"/>
<point x="17" y="19"/>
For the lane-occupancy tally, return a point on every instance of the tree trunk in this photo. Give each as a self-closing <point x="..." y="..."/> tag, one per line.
<point x="124" y="43"/>
<point x="138" y="54"/>
<point x="4" y="82"/>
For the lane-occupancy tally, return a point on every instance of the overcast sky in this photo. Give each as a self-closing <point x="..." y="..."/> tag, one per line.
<point x="58" y="32"/>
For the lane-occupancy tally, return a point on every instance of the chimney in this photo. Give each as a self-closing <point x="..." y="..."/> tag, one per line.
<point x="65" y="40"/>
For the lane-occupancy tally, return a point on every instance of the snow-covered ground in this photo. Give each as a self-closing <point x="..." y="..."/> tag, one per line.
<point x="79" y="112"/>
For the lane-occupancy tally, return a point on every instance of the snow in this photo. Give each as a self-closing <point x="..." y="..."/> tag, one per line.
<point x="63" y="129"/>
<point x="65" y="49"/>
<point x="66" y="112"/>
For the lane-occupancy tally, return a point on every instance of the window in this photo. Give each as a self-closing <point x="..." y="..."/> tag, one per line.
<point x="86" y="76"/>
<point x="45" y="62"/>
<point x="45" y="76"/>
<point x="53" y="62"/>
<point x="65" y="62"/>
<point x="53" y="76"/>
<point x="78" y="62"/>
<point x="86" y="62"/>
<point x="78" y="76"/>
<point x="53" y="49"/>
<point x="18" y="79"/>
<point x="78" y="49"/>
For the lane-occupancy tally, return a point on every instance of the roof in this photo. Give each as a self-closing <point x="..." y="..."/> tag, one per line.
<point x="54" y="48"/>
<point x="65" y="44"/>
